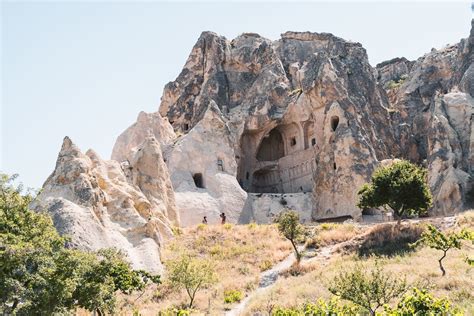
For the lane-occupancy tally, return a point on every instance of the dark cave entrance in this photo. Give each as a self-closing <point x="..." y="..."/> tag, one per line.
<point x="198" y="180"/>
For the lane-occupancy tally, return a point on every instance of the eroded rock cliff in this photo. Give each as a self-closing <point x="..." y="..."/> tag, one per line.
<point x="101" y="204"/>
<point x="252" y="127"/>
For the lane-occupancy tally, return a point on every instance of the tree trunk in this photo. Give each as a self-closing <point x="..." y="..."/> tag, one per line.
<point x="297" y="254"/>
<point x="441" y="264"/>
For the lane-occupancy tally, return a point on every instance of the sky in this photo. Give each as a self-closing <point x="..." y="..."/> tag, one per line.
<point x="86" y="69"/>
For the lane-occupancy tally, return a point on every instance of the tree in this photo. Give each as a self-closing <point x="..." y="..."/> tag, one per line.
<point x="422" y="303"/>
<point x="290" y="227"/>
<point x="370" y="290"/>
<point x="40" y="276"/>
<point x="106" y="273"/>
<point x="401" y="186"/>
<point x="434" y="238"/>
<point x="192" y="274"/>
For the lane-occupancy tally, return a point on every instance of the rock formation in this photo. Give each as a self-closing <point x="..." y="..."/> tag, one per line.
<point x="102" y="204"/>
<point x="252" y="127"/>
<point x="432" y="109"/>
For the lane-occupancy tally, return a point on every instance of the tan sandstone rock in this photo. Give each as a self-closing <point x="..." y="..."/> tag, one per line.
<point x="95" y="203"/>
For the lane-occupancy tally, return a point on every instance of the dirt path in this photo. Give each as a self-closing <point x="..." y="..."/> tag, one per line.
<point x="269" y="277"/>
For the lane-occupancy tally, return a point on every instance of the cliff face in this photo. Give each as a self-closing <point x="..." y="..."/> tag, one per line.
<point x="432" y="110"/>
<point x="252" y="127"/>
<point x="305" y="113"/>
<point x="102" y="204"/>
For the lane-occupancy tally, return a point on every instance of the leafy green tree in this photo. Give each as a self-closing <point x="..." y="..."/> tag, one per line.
<point x="106" y="273"/>
<point x="30" y="249"/>
<point x="370" y="290"/>
<point x="401" y="186"/>
<point x="290" y="227"/>
<point x="422" y="303"/>
<point x="434" y="238"/>
<point x="192" y="274"/>
<point x="40" y="276"/>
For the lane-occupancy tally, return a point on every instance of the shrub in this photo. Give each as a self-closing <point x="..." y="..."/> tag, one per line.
<point x="252" y="225"/>
<point x="265" y="265"/>
<point x="290" y="227"/>
<point x="201" y="226"/>
<point x="232" y="296"/>
<point x="174" y="311"/>
<point x="401" y="186"/>
<point x="420" y="302"/>
<point x="370" y="290"/>
<point x="333" y="307"/>
<point x="227" y="226"/>
<point x="434" y="238"/>
<point x="191" y="274"/>
<point x="40" y="276"/>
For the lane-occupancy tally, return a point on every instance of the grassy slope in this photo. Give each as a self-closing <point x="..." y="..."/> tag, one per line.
<point x="240" y="253"/>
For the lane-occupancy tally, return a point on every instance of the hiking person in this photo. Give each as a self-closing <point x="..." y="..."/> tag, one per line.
<point x="204" y="220"/>
<point x="223" y="217"/>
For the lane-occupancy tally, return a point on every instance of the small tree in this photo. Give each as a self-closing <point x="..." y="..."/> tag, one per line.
<point x="106" y="273"/>
<point x="370" y="290"/>
<point x="434" y="238"/>
<point x="401" y="186"/>
<point x="192" y="274"/>
<point x="40" y="276"/>
<point x="420" y="302"/>
<point x="290" y="227"/>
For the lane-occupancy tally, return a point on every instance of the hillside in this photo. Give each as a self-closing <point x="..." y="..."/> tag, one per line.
<point x="245" y="256"/>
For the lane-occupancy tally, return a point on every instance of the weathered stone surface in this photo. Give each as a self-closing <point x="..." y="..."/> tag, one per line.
<point x="263" y="208"/>
<point x="433" y="111"/>
<point x="147" y="124"/>
<point x="101" y="206"/>
<point x="250" y="120"/>
<point x="394" y="70"/>
<point x="304" y="114"/>
<point x="203" y="171"/>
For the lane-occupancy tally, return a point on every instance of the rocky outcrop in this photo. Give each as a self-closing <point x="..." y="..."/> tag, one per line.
<point x="147" y="124"/>
<point x="304" y="114"/>
<point x="250" y="121"/>
<point x="432" y="110"/>
<point x="203" y="172"/>
<point x="393" y="71"/>
<point x="102" y="204"/>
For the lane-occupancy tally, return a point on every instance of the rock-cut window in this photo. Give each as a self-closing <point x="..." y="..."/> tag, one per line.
<point x="198" y="180"/>
<point x="293" y="141"/>
<point x="334" y="122"/>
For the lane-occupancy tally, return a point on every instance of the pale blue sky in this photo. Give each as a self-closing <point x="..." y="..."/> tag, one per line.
<point x="86" y="69"/>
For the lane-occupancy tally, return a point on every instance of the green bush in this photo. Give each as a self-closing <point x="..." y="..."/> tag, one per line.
<point x="40" y="276"/>
<point x="290" y="227"/>
<point x="232" y="296"/>
<point x="401" y="186"/>
<point x="434" y="238"/>
<point x="422" y="303"/>
<point x="265" y="265"/>
<point x="333" y="307"/>
<point x="191" y="274"/>
<point x="370" y="288"/>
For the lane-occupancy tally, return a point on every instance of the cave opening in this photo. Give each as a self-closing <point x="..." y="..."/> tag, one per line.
<point x="198" y="180"/>
<point x="279" y="159"/>
<point x="272" y="147"/>
<point x="334" y="122"/>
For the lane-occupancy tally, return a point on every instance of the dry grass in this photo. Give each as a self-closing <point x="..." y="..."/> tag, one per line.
<point x="239" y="254"/>
<point x="385" y="239"/>
<point x="420" y="268"/>
<point x="331" y="233"/>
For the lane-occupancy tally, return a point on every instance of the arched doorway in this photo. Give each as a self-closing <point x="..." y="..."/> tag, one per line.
<point x="272" y="147"/>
